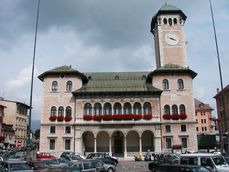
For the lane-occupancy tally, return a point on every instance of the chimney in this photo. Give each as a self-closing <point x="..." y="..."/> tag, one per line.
<point x="217" y="90"/>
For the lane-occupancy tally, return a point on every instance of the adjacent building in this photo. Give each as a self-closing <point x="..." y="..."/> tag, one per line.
<point x="2" y="138"/>
<point x="124" y="113"/>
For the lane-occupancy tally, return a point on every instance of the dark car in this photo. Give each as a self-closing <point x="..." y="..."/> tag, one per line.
<point x="38" y="165"/>
<point x="83" y="166"/>
<point x="180" y="168"/>
<point x="15" y="166"/>
<point x="102" y="155"/>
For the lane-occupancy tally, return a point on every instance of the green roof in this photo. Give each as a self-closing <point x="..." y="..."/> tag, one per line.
<point x="117" y="82"/>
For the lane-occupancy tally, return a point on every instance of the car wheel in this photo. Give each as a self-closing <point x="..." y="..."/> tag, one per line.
<point x="110" y="170"/>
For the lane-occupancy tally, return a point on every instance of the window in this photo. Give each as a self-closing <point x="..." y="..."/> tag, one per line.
<point x="147" y="108"/>
<point x="197" y="129"/>
<point x="168" y="142"/>
<point x="117" y="109"/>
<point x="165" y="21"/>
<point x="182" y="109"/>
<point x="53" y="111"/>
<point x="184" y="142"/>
<point x="180" y="84"/>
<point x="183" y="128"/>
<point x="127" y="108"/>
<point x="52" y="144"/>
<point x="98" y="109"/>
<point x="52" y="129"/>
<point x="69" y="86"/>
<point x="168" y="128"/>
<point x="67" y="144"/>
<point x="165" y="84"/>
<point x="137" y="108"/>
<point x="107" y="109"/>
<point x="166" y="109"/>
<point x="175" y="109"/>
<point x="61" y="111"/>
<point x="67" y="130"/>
<point x="170" y="22"/>
<point x="175" y="21"/>
<point x="87" y="109"/>
<point x="54" y="86"/>
<point x="68" y="111"/>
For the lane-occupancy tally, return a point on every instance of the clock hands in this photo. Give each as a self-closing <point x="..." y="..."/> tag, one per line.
<point x="172" y="38"/>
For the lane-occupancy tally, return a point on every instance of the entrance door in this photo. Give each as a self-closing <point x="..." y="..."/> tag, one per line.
<point x="118" y="146"/>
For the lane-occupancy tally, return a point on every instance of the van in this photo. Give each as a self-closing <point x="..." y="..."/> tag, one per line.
<point x="215" y="162"/>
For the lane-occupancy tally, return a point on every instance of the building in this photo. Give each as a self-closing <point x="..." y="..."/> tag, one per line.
<point x="124" y="113"/>
<point x="9" y="135"/>
<point x="2" y="138"/>
<point x="16" y="115"/>
<point x="222" y="105"/>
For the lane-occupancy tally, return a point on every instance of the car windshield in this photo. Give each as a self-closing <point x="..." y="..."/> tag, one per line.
<point x="16" y="167"/>
<point x="75" y="157"/>
<point x="219" y="160"/>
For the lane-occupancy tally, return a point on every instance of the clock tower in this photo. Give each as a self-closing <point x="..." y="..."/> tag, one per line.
<point x="167" y="27"/>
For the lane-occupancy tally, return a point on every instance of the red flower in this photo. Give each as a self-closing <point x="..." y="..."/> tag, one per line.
<point x="87" y="117"/>
<point x="183" y="116"/>
<point x="52" y="118"/>
<point x="147" y="116"/>
<point x="118" y="117"/>
<point x="68" y="118"/>
<point x="97" y="117"/>
<point x="107" y="117"/>
<point x="127" y="116"/>
<point x="137" y="116"/>
<point x="60" y="118"/>
<point x="2" y="138"/>
<point x="175" y="116"/>
<point x="167" y="116"/>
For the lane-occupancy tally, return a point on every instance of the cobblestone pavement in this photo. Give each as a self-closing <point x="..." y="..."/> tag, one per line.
<point x="132" y="166"/>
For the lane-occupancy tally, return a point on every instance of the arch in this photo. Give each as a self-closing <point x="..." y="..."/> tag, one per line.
<point x="68" y="111"/>
<point x="147" y="141"/>
<point x="174" y="109"/>
<point x="88" y="141"/>
<point x="97" y="109"/>
<point x="147" y="108"/>
<point x="53" y="111"/>
<point x="182" y="109"/>
<point x="117" y="108"/>
<point x="69" y="86"/>
<point x="137" y="108"/>
<point x="54" y="86"/>
<point x="87" y="109"/>
<point x="61" y="111"/>
<point x="165" y="84"/>
<point x="102" y="140"/>
<point x="117" y="143"/>
<point x="132" y="141"/>
<point x="165" y="20"/>
<point x="170" y="22"/>
<point x="180" y="84"/>
<point x="127" y="108"/>
<point x="175" y="21"/>
<point x="166" y="109"/>
<point x="107" y="109"/>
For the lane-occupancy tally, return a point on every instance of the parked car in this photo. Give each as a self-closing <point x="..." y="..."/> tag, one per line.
<point x="44" y="155"/>
<point x="102" y="155"/>
<point x="73" y="158"/>
<point x="15" y="166"/>
<point x="180" y="168"/>
<point x="211" y="161"/>
<point x="58" y="162"/>
<point x="83" y="166"/>
<point x="38" y="165"/>
<point x="108" y="163"/>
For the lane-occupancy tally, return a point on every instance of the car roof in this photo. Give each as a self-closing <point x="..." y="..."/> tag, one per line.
<point x="199" y="155"/>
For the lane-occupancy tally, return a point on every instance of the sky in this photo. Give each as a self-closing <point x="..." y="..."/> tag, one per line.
<point x="104" y="36"/>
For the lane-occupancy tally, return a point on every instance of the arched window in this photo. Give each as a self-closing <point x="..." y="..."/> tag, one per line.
<point x="54" y="86"/>
<point x="166" y="109"/>
<point x="68" y="111"/>
<point x="127" y="108"/>
<point x="165" y="84"/>
<point x="180" y="84"/>
<point x="170" y="22"/>
<point x="165" y="20"/>
<point x="117" y="109"/>
<point x="61" y="111"/>
<point x="175" y="21"/>
<point x="182" y="109"/>
<point x="147" y="108"/>
<point x="97" y="109"/>
<point x="137" y="108"/>
<point x="174" y="109"/>
<point x="69" y="86"/>
<point x="87" y="109"/>
<point x="53" y="111"/>
<point x="107" y="109"/>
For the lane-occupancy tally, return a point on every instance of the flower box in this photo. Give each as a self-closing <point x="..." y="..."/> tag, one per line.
<point x="87" y="117"/>
<point x="137" y="116"/>
<point x="175" y="116"/>
<point x="147" y="116"/>
<point x="68" y="118"/>
<point x="127" y="116"/>
<point x="166" y="116"/>
<point x="107" y="117"/>
<point x="97" y="117"/>
<point x="52" y="118"/>
<point x="183" y="116"/>
<point x="60" y="118"/>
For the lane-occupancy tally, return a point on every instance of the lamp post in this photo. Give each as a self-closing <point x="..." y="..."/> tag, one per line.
<point x="222" y="91"/>
<point x="31" y="88"/>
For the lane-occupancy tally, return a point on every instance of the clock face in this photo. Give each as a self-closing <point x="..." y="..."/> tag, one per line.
<point x="171" y="38"/>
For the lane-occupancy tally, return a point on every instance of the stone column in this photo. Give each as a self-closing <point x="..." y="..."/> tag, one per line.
<point x="125" y="148"/>
<point x="157" y="143"/>
<point x="140" y="145"/>
<point x="110" y="146"/>
<point x="95" y="145"/>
